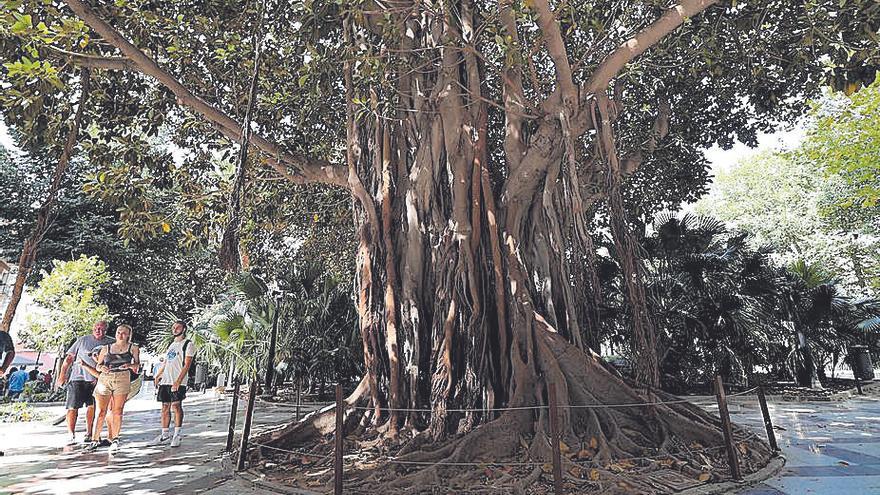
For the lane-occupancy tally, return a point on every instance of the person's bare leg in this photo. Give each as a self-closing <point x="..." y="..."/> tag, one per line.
<point x="71" y="420"/>
<point x="178" y="423"/>
<point x="166" y="415"/>
<point x="103" y="403"/>
<point x="178" y="414"/>
<point x="115" y="426"/>
<point x="90" y="420"/>
<point x="166" y="420"/>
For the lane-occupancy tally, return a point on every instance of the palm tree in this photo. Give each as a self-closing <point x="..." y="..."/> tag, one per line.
<point x="712" y="298"/>
<point x="825" y="321"/>
<point x="316" y="325"/>
<point x="320" y="336"/>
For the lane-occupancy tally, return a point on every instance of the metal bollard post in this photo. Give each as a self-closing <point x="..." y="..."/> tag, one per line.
<point x="554" y="433"/>
<point x="248" y="417"/>
<point x="340" y="434"/>
<point x="230" y="435"/>
<point x="727" y="429"/>
<point x="768" y="423"/>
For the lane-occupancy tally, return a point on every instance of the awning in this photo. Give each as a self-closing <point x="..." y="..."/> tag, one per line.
<point x="22" y="361"/>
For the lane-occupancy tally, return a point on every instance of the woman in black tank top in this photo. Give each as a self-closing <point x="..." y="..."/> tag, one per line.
<point x="115" y="363"/>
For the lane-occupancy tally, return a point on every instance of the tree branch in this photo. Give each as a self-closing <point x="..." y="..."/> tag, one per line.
<point x="556" y="46"/>
<point x="306" y="169"/>
<point x="644" y="39"/>
<point x="512" y="92"/>
<point x="94" y="61"/>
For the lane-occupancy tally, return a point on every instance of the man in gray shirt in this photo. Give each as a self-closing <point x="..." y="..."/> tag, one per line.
<point x="81" y="389"/>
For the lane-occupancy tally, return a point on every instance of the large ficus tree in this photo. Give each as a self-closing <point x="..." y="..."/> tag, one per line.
<point x="477" y="140"/>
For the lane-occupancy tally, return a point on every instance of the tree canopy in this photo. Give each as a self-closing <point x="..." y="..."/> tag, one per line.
<point x="481" y="144"/>
<point x="844" y="142"/>
<point x="794" y="204"/>
<point x="731" y="72"/>
<point x="71" y="300"/>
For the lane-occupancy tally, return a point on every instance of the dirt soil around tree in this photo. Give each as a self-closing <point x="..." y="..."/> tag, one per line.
<point x="370" y="467"/>
<point x="412" y="464"/>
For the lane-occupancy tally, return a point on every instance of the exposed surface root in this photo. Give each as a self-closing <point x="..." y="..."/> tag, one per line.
<point x="607" y="449"/>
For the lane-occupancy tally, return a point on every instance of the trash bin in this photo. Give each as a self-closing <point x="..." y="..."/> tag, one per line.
<point x="860" y="360"/>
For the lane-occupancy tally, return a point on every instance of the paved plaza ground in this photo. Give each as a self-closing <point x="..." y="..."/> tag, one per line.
<point x="36" y="460"/>
<point x="831" y="448"/>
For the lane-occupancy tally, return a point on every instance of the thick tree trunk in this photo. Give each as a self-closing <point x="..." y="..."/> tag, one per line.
<point x="466" y="305"/>
<point x="46" y="212"/>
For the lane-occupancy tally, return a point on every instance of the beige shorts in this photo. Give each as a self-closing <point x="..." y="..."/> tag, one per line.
<point x="113" y="383"/>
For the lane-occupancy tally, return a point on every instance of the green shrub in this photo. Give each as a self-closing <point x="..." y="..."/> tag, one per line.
<point x="19" y="412"/>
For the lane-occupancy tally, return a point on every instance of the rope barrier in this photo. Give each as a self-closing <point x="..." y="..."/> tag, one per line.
<point x="563" y="406"/>
<point x="492" y="409"/>
<point x="744" y="392"/>
<point x="512" y="463"/>
<point x="730" y="438"/>
<point x="288" y="451"/>
<point x="455" y="463"/>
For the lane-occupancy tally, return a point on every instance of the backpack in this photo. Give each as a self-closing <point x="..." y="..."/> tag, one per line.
<point x="191" y="372"/>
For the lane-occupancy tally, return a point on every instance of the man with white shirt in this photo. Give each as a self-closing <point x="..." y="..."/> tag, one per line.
<point x="81" y="384"/>
<point x="171" y="380"/>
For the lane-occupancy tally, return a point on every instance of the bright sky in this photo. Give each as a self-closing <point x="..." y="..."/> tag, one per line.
<point x="5" y="138"/>
<point x="782" y="140"/>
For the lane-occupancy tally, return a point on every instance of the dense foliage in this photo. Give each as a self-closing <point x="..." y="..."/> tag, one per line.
<point x="316" y="326"/>
<point x="844" y="142"/>
<point x="785" y="201"/>
<point x="482" y="145"/>
<point x="148" y="277"/>
<point x="724" y="307"/>
<point x="71" y="299"/>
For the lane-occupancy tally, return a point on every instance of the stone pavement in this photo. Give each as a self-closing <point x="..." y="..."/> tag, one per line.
<point x="37" y="461"/>
<point x="831" y="448"/>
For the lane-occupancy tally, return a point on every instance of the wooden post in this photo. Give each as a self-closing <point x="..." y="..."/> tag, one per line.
<point x="230" y="435"/>
<point x="340" y="434"/>
<point x="270" y="362"/>
<point x="858" y="384"/>
<point x="768" y="424"/>
<point x="298" y="392"/>
<point x="248" y="417"/>
<point x="554" y="433"/>
<point x="732" y="459"/>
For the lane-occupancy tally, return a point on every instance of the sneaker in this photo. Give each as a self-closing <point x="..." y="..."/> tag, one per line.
<point x="159" y="440"/>
<point x="87" y="439"/>
<point x="175" y="441"/>
<point x="114" y="446"/>
<point x="72" y="440"/>
<point x="98" y="444"/>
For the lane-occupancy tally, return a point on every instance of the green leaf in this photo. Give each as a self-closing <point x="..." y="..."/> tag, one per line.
<point x="22" y="25"/>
